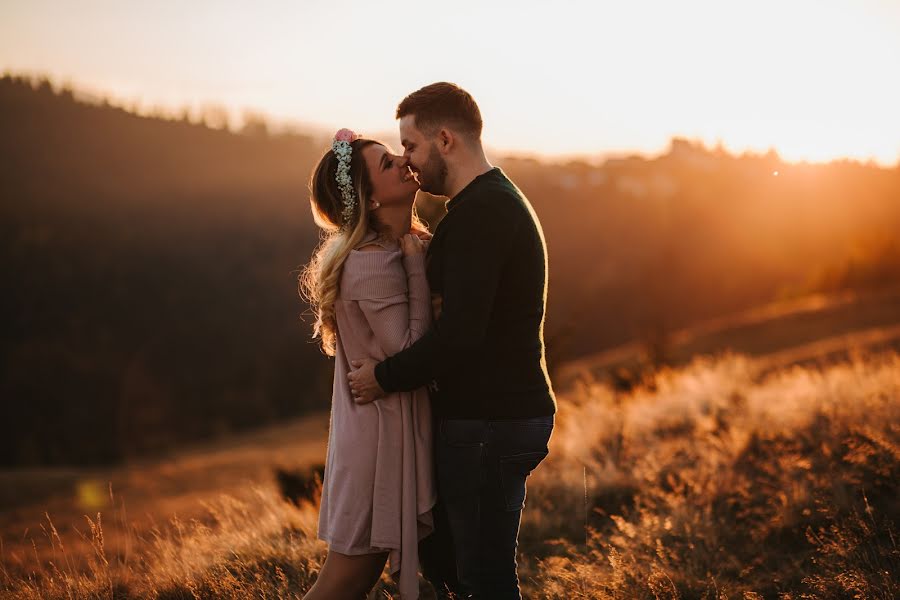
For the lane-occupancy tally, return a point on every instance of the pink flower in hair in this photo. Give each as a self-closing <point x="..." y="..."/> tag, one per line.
<point x="345" y="135"/>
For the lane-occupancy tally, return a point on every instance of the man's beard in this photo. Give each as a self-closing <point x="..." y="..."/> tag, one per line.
<point x="433" y="175"/>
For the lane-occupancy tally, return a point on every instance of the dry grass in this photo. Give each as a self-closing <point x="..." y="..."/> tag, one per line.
<point x="257" y="548"/>
<point x="719" y="485"/>
<point x="711" y="482"/>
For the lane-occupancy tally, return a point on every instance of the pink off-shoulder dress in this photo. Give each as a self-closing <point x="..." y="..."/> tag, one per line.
<point x="379" y="488"/>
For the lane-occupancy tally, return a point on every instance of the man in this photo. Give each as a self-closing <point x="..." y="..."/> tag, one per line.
<point x="483" y="359"/>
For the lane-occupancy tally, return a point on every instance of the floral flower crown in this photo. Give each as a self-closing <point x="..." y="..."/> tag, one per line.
<point x="342" y="149"/>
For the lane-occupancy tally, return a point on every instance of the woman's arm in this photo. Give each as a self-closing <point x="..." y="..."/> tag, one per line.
<point x="400" y="319"/>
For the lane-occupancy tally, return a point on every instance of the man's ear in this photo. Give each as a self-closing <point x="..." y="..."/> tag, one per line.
<point x="446" y="140"/>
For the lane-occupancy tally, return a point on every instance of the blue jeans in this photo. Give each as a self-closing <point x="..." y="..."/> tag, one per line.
<point x="481" y="468"/>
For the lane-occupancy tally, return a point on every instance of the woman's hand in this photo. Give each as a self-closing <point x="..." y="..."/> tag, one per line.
<point x="423" y="235"/>
<point x="411" y="244"/>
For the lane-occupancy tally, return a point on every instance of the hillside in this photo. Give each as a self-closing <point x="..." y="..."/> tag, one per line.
<point x="815" y="328"/>
<point x="153" y="262"/>
<point x="710" y="482"/>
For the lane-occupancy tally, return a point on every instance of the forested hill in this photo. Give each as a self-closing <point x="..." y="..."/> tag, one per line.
<point x="150" y="271"/>
<point x="150" y="264"/>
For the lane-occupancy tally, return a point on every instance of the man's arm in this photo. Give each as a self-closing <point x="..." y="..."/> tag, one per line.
<point x="473" y="255"/>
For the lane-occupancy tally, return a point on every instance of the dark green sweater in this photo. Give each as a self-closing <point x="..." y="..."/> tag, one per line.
<point x="484" y="356"/>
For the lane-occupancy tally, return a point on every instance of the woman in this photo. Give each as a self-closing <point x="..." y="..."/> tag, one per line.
<point x="366" y="284"/>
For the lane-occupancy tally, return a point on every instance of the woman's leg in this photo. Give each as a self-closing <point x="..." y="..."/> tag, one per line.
<point x="347" y="576"/>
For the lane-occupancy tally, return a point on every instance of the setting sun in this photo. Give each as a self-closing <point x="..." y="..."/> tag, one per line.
<point x="811" y="79"/>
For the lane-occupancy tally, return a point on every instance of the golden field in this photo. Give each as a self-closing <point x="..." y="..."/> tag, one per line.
<point x="720" y="479"/>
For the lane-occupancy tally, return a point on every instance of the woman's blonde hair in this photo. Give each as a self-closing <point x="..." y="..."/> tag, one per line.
<point x="320" y="279"/>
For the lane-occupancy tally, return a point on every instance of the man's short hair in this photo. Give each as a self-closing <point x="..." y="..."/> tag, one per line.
<point x="442" y="104"/>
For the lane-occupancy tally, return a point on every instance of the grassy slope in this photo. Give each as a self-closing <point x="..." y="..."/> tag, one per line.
<point x="783" y="333"/>
<point x="146" y="493"/>
<point x="722" y="478"/>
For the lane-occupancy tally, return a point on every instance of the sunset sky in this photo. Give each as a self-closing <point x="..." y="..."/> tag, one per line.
<point x="815" y="79"/>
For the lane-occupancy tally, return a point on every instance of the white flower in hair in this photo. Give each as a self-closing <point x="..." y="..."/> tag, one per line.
<point x="342" y="149"/>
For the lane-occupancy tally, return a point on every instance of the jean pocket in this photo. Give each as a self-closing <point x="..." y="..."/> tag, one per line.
<point x="462" y="433"/>
<point x="514" y="470"/>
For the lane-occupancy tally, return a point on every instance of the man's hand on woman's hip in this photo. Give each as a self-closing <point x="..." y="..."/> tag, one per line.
<point x="363" y="385"/>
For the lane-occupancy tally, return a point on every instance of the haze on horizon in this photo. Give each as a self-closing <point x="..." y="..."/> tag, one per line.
<point x="812" y="79"/>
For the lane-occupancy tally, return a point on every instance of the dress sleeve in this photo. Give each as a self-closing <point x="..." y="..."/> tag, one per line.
<point x="392" y="292"/>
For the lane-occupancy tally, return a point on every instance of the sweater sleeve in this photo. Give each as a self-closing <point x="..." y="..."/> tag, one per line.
<point x="400" y="318"/>
<point x="474" y="253"/>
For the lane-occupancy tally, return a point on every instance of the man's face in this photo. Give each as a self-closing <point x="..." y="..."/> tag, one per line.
<point x="423" y="157"/>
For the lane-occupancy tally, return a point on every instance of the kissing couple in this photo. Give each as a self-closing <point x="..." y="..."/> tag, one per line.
<point x="442" y="405"/>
